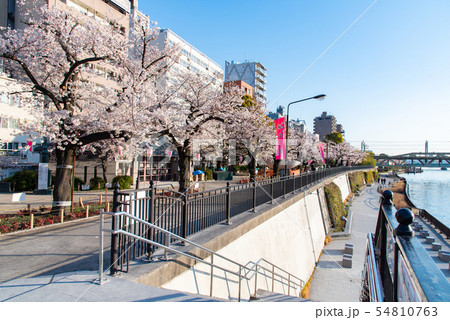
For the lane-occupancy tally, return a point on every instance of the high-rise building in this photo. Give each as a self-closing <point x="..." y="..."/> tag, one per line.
<point x="190" y="59"/>
<point x="293" y="124"/>
<point x="117" y="10"/>
<point x="278" y="114"/>
<point x="298" y="124"/>
<point x="326" y="124"/>
<point x="253" y="73"/>
<point x="17" y="147"/>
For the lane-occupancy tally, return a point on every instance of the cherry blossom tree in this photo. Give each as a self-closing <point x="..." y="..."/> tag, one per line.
<point x="342" y="154"/>
<point x="198" y="109"/>
<point x="304" y="146"/>
<point x="66" y="57"/>
<point x="254" y="133"/>
<point x="106" y="150"/>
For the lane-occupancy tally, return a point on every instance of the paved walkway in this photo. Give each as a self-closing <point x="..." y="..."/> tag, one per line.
<point x="59" y="248"/>
<point x="60" y="264"/>
<point x="51" y="271"/>
<point x="331" y="282"/>
<point x="82" y="287"/>
<point x="36" y="201"/>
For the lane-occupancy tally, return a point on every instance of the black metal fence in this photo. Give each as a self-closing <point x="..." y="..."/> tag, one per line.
<point x="401" y="267"/>
<point x="438" y="224"/>
<point x="187" y="213"/>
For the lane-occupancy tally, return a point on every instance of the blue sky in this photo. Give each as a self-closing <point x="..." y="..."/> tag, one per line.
<point x="387" y="79"/>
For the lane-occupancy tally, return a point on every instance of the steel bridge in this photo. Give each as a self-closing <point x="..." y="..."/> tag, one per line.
<point x="414" y="159"/>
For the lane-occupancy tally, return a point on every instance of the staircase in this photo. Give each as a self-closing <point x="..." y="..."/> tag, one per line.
<point x="269" y="296"/>
<point x="262" y="270"/>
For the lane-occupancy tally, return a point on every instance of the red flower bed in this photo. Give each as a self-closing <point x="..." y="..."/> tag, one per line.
<point x="22" y="221"/>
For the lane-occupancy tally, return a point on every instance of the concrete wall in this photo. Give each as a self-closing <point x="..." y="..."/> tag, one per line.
<point x="344" y="185"/>
<point x="292" y="239"/>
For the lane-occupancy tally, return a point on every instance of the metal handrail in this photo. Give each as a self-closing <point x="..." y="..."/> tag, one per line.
<point x="255" y="269"/>
<point x="374" y="278"/>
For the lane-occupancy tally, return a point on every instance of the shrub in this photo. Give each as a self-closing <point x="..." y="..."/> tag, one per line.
<point x="335" y="204"/>
<point x="240" y="168"/>
<point x="24" y="180"/>
<point x="124" y="182"/>
<point x="368" y="176"/>
<point x="356" y="181"/>
<point x="78" y="182"/>
<point x="4" y="229"/>
<point x="375" y="175"/>
<point x="208" y="173"/>
<point x="97" y="183"/>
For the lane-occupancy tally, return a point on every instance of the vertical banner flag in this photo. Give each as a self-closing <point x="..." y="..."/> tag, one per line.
<point x="170" y="153"/>
<point x="321" y="151"/>
<point x="150" y="152"/>
<point x="119" y="150"/>
<point x="30" y="145"/>
<point x="198" y="156"/>
<point x="279" y="125"/>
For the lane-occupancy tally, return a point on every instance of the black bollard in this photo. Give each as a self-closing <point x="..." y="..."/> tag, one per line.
<point x="387" y="195"/>
<point x="405" y="218"/>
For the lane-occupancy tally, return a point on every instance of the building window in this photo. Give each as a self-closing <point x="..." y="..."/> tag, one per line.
<point x="4" y="123"/>
<point x="4" y="97"/>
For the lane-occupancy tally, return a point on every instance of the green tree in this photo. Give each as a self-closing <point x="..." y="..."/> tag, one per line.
<point x="335" y="137"/>
<point x="368" y="160"/>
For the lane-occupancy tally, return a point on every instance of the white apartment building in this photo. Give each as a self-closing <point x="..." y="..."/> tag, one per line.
<point x="191" y="58"/>
<point x="15" y="147"/>
<point x="124" y="13"/>
<point x="117" y="10"/>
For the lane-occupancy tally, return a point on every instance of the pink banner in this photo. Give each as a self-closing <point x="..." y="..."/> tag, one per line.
<point x="321" y="151"/>
<point x="30" y="145"/>
<point x="150" y="152"/>
<point x="170" y="154"/>
<point x="280" y="152"/>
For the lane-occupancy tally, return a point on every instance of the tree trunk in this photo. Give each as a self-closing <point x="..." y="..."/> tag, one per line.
<point x="252" y="168"/>
<point x="184" y="162"/>
<point x="104" y="169"/>
<point x="276" y="167"/>
<point x="62" y="191"/>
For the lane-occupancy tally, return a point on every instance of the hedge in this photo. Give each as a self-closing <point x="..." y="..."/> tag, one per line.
<point x="335" y="204"/>
<point x="124" y="182"/>
<point x="25" y="180"/>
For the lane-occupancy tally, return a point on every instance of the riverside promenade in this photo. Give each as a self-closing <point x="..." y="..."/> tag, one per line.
<point x="24" y="279"/>
<point x="28" y="280"/>
<point x="331" y="282"/>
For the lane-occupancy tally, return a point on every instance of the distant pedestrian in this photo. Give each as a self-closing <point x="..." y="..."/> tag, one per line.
<point x="379" y="180"/>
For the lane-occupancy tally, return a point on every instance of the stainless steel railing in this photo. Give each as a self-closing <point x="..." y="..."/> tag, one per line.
<point x="372" y="286"/>
<point x="244" y="272"/>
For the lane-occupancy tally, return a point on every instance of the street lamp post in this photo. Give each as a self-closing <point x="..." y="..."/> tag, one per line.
<point x="318" y="97"/>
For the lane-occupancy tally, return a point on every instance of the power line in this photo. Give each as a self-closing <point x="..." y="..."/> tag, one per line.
<point x="323" y="53"/>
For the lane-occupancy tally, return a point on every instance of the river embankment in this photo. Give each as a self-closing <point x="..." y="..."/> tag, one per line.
<point x="402" y="200"/>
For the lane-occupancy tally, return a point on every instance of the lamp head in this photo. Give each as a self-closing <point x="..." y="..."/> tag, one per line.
<point x="320" y="97"/>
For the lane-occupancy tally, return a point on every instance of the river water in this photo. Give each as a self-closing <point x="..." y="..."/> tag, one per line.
<point x="430" y="190"/>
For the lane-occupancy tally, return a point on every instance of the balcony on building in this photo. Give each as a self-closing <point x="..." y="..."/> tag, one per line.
<point x="259" y="68"/>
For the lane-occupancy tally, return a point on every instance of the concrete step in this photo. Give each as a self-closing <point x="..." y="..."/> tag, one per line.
<point x="269" y="296"/>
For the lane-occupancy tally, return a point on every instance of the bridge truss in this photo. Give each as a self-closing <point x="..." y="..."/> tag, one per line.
<point x="415" y="159"/>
